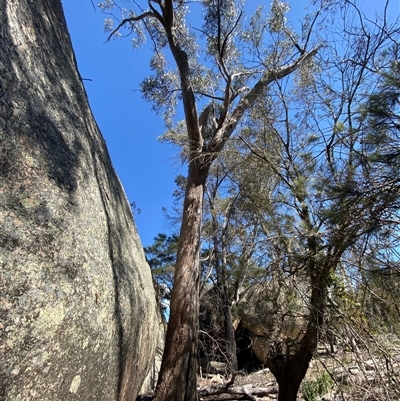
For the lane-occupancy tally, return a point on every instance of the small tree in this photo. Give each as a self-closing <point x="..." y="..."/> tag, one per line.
<point x="231" y="233"/>
<point x="161" y="256"/>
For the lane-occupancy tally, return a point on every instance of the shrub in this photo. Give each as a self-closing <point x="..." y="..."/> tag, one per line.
<point x="311" y="389"/>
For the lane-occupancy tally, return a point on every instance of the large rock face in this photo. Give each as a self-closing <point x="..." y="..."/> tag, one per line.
<point x="273" y="313"/>
<point x="78" y="315"/>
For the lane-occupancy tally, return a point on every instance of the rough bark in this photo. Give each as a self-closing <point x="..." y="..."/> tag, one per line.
<point x="78" y="315"/>
<point x="177" y="380"/>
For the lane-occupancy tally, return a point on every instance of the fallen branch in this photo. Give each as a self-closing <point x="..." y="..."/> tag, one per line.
<point x="246" y="391"/>
<point x="227" y="397"/>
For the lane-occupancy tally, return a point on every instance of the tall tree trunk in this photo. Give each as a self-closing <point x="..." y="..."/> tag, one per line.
<point x="177" y="380"/>
<point x="77" y="309"/>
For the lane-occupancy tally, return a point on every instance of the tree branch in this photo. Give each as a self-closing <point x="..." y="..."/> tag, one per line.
<point x="247" y="100"/>
<point x="188" y="98"/>
<point x="148" y="14"/>
<point x="247" y="391"/>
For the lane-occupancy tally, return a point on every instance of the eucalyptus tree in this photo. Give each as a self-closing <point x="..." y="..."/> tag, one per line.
<point x="217" y="70"/>
<point x="331" y="200"/>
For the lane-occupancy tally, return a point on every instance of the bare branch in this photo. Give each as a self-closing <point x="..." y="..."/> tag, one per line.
<point x="270" y="76"/>
<point x="141" y="17"/>
<point x="248" y="391"/>
<point x="311" y="28"/>
<point x="209" y="95"/>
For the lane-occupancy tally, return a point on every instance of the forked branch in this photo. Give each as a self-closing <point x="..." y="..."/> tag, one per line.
<point x="130" y="20"/>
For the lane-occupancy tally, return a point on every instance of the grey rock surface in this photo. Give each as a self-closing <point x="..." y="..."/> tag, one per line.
<point x="78" y="314"/>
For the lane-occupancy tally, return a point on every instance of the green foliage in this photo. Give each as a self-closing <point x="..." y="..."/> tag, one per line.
<point x="161" y="257"/>
<point x="381" y="117"/>
<point x="339" y="128"/>
<point x="277" y="21"/>
<point x="380" y="295"/>
<point x="313" y="389"/>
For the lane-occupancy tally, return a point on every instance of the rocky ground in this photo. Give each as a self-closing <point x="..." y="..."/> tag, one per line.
<point x="363" y="374"/>
<point x="367" y="375"/>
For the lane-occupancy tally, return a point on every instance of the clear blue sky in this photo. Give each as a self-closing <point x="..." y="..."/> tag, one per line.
<point x="146" y="167"/>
